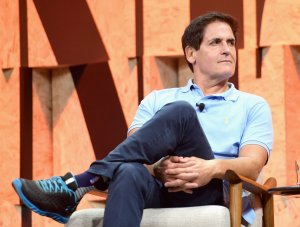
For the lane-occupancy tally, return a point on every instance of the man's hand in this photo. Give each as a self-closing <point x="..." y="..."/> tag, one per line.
<point x="194" y="172"/>
<point x="183" y="174"/>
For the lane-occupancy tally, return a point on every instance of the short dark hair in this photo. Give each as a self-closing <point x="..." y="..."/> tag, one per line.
<point x="193" y="34"/>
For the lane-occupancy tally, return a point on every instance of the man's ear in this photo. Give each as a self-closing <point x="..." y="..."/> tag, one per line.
<point x="190" y="54"/>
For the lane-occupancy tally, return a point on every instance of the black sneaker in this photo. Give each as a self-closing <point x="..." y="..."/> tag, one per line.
<point x="54" y="197"/>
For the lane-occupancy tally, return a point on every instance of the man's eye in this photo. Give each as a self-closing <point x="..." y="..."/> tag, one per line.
<point x="231" y="42"/>
<point x="216" y="41"/>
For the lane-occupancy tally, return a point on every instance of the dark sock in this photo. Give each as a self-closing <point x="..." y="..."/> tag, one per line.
<point x="85" y="179"/>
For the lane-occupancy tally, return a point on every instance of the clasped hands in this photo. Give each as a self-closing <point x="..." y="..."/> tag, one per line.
<point x="183" y="173"/>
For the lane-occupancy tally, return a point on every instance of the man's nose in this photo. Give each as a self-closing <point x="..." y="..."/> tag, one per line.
<point x="225" y="48"/>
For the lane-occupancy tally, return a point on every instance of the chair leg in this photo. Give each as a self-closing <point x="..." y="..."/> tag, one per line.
<point x="235" y="204"/>
<point x="268" y="210"/>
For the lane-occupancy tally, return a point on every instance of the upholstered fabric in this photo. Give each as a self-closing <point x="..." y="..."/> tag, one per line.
<point x="213" y="216"/>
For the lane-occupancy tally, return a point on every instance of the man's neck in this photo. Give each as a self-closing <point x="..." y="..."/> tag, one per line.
<point x="212" y="87"/>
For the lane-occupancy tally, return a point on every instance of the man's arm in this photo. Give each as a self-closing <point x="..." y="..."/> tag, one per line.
<point x="184" y="174"/>
<point x="250" y="162"/>
<point x="194" y="172"/>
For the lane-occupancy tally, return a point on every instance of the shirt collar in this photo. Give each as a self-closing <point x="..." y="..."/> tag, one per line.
<point x="188" y="87"/>
<point x="231" y="94"/>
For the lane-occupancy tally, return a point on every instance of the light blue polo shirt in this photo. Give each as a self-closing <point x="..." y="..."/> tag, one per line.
<point x="230" y="120"/>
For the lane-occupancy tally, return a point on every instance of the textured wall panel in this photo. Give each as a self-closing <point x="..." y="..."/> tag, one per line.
<point x="40" y="52"/>
<point x="115" y="21"/>
<point x="280" y="23"/>
<point x="184" y="72"/>
<point x="70" y="134"/>
<point x="164" y="23"/>
<point x="10" y="131"/>
<point x="101" y="107"/>
<point x="25" y="129"/>
<point x="124" y="75"/>
<point x="38" y="220"/>
<point x="9" y="145"/>
<point x="71" y="32"/>
<point x="10" y="214"/>
<point x="292" y="100"/>
<point x="250" y="24"/>
<point x="9" y="34"/>
<point x="160" y="73"/>
<point x="42" y="123"/>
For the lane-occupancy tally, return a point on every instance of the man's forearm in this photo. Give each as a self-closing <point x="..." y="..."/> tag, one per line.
<point x="242" y="165"/>
<point x="249" y="164"/>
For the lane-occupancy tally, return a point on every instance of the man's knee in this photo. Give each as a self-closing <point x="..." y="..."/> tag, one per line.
<point x="181" y="106"/>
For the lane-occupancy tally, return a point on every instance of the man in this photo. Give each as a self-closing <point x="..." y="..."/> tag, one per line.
<point x="193" y="134"/>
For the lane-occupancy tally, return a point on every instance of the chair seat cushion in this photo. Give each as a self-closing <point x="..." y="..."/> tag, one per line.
<point x="213" y="216"/>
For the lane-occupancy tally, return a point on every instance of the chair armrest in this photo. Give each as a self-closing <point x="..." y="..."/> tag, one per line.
<point x="248" y="184"/>
<point x="237" y="182"/>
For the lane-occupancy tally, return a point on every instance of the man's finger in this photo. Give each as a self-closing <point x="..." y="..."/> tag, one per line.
<point x="175" y="183"/>
<point x="189" y="185"/>
<point x="179" y="170"/>
<point x="179" y="159"/>
<point x="189" y="177"/>
<point x="189" y="191"/>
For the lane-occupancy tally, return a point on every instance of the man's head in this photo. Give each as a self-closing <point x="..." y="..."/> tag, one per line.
<point x="194" y="32"/>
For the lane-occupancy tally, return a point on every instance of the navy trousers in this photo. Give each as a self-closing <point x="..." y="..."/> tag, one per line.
<point x="174" y="130"/>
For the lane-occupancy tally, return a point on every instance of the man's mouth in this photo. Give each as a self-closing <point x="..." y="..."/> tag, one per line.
<point x="225" y="61"/>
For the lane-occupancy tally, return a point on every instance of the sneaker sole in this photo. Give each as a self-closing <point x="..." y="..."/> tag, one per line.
<point x="17" y="185"/>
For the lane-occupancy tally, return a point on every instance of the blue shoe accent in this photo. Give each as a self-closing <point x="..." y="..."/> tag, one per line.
<point x="55" y="184"/>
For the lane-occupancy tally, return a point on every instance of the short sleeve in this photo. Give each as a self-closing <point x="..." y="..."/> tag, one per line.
<point x="259" y="129"/>
<point x="145" y="111"/>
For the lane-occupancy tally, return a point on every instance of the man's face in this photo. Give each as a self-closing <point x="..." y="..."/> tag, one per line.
<point x="216" y="57"/>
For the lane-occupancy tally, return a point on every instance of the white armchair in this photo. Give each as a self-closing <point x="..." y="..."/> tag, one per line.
<point x="212" y="216"/>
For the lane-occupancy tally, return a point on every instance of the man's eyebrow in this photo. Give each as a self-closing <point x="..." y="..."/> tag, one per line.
<point x="221" y="38"/>
<point x="215" y="38"/>
<point x="231" y="39"/>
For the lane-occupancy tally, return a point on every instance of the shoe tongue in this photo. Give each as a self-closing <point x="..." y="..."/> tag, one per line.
<point x="70" y="181"/>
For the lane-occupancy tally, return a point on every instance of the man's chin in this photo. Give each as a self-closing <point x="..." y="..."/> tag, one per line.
<point x="225" y="75"/>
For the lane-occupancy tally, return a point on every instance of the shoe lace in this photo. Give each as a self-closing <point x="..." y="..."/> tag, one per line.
<point x="55" y="184"/>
